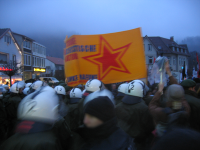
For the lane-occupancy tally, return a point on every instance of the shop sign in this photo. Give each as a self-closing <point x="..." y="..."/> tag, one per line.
<point x="40" y="69"/>
<point x="5" y="69"/>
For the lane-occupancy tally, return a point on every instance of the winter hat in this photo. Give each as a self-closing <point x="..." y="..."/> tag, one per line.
<point x="175" y="92"/>
<point x="188" y="83"/>
<point x="100" y="107"/>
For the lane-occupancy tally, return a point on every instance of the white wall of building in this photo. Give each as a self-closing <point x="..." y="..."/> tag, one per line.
<point x="51" y="65"/>
<point x="150" y="52"/>
<point x="10" y="49"/>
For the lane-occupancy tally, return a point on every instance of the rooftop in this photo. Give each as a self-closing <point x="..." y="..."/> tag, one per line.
<point x="55" y="60"/>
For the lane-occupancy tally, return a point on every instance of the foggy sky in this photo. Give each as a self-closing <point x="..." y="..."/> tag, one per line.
<point x="165" y="18"/>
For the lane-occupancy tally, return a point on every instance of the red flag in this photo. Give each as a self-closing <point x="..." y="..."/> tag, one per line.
<point x="198" y="66"/>
<point x="154" y="60"/>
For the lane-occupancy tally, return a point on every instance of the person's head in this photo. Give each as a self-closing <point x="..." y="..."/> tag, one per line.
<point x="114" y="86"/>
<point x="40" y="106"/>
<point x="17" y="88"/>
<point x="133" y="93"/>
<point x="98" y="111"/>
<point x="145" y="87"/>
<point x="60" y="90"/>
<point x="108" y="87"/>
<point x="178" y="139"/>
<point x="75" y="95"/>
<point x="197" y="89"/>
<point x="91" y="86"/>
<point x="36" y="85"/>
<point x="175" y="93"/>
<point x="121" y="89"/>
<point x="188" y="84"/>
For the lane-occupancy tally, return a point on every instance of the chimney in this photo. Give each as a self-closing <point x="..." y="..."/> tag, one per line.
<point x="172" y="38"/>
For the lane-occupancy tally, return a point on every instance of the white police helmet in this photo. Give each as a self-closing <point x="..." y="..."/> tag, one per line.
<point x="93" y="85"/>
<point x="28" y="85"/>
<point x="75" y="93"/>
<point x="60" y="90"/>
<point x="16" y="87"/>
<point x="37" y="84"/>
<point x="98" y="93"/>
<point x="41" y="106"/>
<point x="25" y="91"/>
<point x="145" y="87"/>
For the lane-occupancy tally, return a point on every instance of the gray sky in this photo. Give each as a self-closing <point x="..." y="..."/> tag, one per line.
<point x="178" y="18"/>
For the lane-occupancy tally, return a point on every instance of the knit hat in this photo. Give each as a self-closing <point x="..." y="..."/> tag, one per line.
<point x="175" y="92"/>
<point x="100" y="107"/>
<point x="188" y="83"/>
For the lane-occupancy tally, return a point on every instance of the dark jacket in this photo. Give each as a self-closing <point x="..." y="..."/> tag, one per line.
<point x="159" y="113"/>
<point x="106" y="137"/>
<point x="72" y="116"/>
<point x="40" y="139"/>
<point x="118" y="99"/>
<point x="3" y="121"/>
<point x="194" y="102"/>
<point x="11" y="107"/>
<point x="135" y="119"/>
<point x="80" y="111"/>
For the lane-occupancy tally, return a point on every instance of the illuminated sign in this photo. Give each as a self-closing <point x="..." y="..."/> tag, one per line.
<point x="5" y="69"/>
<point x="40" y="69"/>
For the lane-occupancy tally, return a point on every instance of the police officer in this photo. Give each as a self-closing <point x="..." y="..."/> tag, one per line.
<point x="11" y="105"/>
<point x="38" y="128"/>
<point x="121" y="92"/>
<point x="73" y="113"/>
<point x="133" y="114"/>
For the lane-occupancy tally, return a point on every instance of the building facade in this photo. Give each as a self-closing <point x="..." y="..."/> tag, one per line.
<point x="38" y="59"/>
<point x="33" y="57"/>
<point x="55" y="67"/>
<point x="177" y="54"/>
<point x="10" y="52"/>
<point x="25" y="44"/>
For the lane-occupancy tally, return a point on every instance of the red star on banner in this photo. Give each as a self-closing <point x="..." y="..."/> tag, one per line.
<point x="108" y="58"/>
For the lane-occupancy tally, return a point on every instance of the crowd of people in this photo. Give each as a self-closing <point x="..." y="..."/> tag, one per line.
<point x="122" y="116"/>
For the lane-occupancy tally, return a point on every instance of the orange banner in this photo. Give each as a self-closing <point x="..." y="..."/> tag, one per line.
<point x="111" y="58"/>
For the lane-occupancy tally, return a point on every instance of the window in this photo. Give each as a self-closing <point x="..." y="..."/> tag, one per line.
<point x="7" y="39"/>
<point x="27" y="60"/>
<point x="149" y="47"/>
<point x="174" y="60"/>
<point x="33" y="61"/>
<point x="33" y="47"/>
<point x="183" y="60"/>
<point x="14" y="59"/>
<point x="3" y="58"/>
<point x="175" y="49"/>
<point x="44" y="62"/>
<point x="169" y="60"/>
<point x="27" y="44"/>
<point x="179" y="61"/>
<point x="150" y="60"/>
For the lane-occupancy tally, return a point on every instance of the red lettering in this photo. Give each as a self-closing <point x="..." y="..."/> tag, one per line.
<point x="71" y="42"/>
<point x="71" y="57"/>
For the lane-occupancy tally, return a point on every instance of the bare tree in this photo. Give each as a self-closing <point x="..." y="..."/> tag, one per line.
<point x="11" y="68"/>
